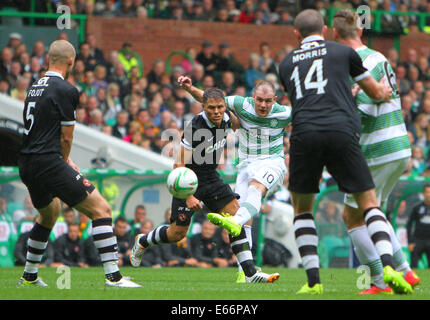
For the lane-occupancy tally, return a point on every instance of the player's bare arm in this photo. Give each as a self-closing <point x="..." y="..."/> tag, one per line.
<point x="66" y="141"/>
<point x="187" y="84"/>
<point x="378" y="91"/>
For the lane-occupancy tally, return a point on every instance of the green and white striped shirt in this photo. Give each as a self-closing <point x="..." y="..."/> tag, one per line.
<point x="384" y="136"/>
<point x="259" y="137"/>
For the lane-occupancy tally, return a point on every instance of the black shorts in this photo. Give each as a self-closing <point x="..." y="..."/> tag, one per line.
<point x="48" y="176"/>
<point x="339" y="152"/>
<point x="214" y="194"/>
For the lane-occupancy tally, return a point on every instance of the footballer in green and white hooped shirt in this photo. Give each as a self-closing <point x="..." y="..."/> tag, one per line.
<point x="261" y="169"/>
<point x="385" y="145"/>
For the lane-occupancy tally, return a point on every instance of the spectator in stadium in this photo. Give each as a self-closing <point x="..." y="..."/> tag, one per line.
<point x="68" y="249"/>
<point x="196" y="13"/>
<point x="157" y="71"/>
<point x="96" y="120"/>
<point x="234" y="15"/>
<point x="221" y="15"/>
<point x="402" y="83"/>
<point x="120" y="129"/>
<point x="20" y="91"/>
<point x="24" y="59"/>
<point x="197" y="75"/>
<point x="85" y="55"/>
<point x="167" y="97"/>
<point x="154" y="113"/>
<point x="139" y="219"/>
<point x="195" y="109"/>
<point x="95" y="52"/>
<point x="285" y="18"/>
<point x="89" y="84"/>
<point x="127" y="58"/>
<point x="6" y="62"/>
<point x="265" y="56"/>
<point x="227" y="62"/>
<point x="39" y="52"/>
<point x="418" y="160"/>
<point x="4" y="87"/>
<point x="207" y="58"/>
<point x="253" y="73"/>
<point x="418" y="229"/>
<point x="247" y="13"/>
<point x="209" y="13"/>
<point x="188" y="64"/>
<point x="228" y="83"/>
<point x="203" y="247"/>
<point x="389" y="23"/>
<point x="15" y="39"/>
<point x="402" y="215"/>
<point x="421" y="130"/>
<point x="100" y="77"/>
<point x="125" y="9"/>
<point x="178" y="114"/>
<point x="68" y="215"/>
<point x="14" y="73"/>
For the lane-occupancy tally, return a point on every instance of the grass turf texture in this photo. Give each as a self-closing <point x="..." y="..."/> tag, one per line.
<point x="193" y="284"/>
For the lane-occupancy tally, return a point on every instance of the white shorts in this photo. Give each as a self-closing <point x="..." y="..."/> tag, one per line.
<point x="269" y="172"/>
<point x="385" y="177"/>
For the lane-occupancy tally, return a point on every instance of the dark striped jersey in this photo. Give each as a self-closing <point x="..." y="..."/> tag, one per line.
<point x="207" y="143"/>
<point x="50" y="103"/>
<point x="316" y="76"/>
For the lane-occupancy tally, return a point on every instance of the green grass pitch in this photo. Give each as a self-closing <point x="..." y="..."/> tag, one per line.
<point x="191" y="284"/>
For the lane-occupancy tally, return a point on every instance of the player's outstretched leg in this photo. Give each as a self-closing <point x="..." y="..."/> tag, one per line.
<point x="248" y="209"/>
<point x="307" y="243"/>
<point x="143" y="241"/>
<point x="241" y="249"/>
<point x="98" y="210"/>
<point x="379" y="232"/>
<point x="37" y="243"/>
<point x="225" y="221"/>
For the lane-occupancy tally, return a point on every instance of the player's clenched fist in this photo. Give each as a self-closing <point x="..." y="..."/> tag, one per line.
<point x="185" y="81"/>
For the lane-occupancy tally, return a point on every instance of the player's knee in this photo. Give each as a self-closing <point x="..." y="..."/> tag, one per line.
<point x="352" y="219"/>
<point x="103" y="210"/>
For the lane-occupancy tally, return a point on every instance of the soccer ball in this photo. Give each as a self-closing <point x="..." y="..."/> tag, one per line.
<point x="182" y="182"/>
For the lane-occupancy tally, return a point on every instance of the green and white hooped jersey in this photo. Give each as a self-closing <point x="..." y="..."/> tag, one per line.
<point x="384" y="136"/>
<point x="259" y="137"/>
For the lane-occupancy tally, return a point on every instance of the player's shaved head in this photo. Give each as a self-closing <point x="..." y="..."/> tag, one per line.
<point x="308" y="22"/>
<point x="60" y="52"/>
<point x="345" y="23"/>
